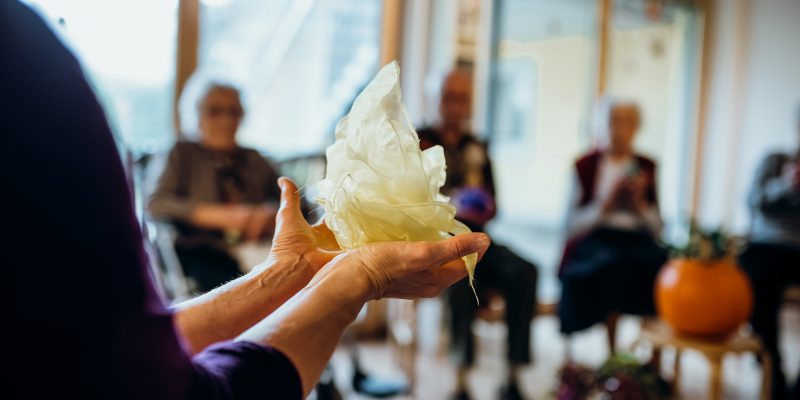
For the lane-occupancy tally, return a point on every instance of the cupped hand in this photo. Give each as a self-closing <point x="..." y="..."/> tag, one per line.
<point x="409" y="270"/>
<point x="295" y="240"/>
<point x="390" y="269"/>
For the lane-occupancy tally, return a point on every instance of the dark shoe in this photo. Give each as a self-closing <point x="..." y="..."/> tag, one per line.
<point x="794" y="392"/>
<point x="461" y="395"/>
<point x="511" y="392"/>
<point x="377" y="387"/>
<point x="326" y="389"/>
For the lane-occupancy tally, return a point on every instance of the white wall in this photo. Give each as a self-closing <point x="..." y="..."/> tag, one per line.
<point x="428" y="54"/>
<point x="648" y="65"/>
<point x="754" y="95"/>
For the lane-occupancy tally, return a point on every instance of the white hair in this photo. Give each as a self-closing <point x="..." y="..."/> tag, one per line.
<point x="197" y="87"/>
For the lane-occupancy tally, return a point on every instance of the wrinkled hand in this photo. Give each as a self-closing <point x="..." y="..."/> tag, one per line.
<point x="391" y="269"/>
<point x="409" y="270"/>
<point x="295" y="240"/>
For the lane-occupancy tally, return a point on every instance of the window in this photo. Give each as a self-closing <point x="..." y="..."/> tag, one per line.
<point x="127" y="50"/>
<point x="652" y="62"/>
<point x="540" y="103"/>
<point x="537" y="121"/>
<point x="300" y="65"/>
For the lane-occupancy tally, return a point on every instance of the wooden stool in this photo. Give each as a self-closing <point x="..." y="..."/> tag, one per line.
<point x="661" y="335"/>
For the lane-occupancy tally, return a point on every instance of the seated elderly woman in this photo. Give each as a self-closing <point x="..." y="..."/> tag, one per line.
<point x="87" y="322"/>
<point x="216" y="193"/>
<point x="611" y="257"/>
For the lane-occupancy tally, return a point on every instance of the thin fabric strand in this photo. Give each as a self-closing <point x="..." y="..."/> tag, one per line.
<point x="379" y="185"/>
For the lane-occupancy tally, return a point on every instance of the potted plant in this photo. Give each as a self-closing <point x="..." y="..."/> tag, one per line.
<point x="621" y="377"/>
<point x="702" y="291"/>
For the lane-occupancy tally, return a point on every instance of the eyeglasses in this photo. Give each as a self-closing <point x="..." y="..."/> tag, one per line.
<point x="218" y="111"/>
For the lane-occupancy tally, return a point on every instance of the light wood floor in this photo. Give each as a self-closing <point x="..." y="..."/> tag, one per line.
<point x="435" y="377"/>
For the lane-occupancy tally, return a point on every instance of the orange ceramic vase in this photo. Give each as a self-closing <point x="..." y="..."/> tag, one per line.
<point x="703" y="298"/>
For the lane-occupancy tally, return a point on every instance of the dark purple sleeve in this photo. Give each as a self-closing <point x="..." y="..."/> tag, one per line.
<point x="244" y="370"/>
<point x="86" y="321"/>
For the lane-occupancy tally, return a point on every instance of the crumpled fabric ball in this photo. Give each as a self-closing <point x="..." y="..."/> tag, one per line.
<point x="379" y="186"/>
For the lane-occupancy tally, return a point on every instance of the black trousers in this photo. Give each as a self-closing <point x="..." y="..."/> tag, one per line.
<point x="771" y="269"/>
<point x="611" y="271"/>
<point x="209" y="267"/>
<point x="515" y="279"/>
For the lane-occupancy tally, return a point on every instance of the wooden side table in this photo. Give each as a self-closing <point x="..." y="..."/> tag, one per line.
<point x="661" y="335"/>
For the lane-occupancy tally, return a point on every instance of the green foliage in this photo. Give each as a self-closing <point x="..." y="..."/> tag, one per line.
<point x="704" y="244"/>
<point x="622" y="376"/>
<point x="623" y="367"/>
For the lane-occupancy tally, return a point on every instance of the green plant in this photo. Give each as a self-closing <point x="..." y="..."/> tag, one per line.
<point x="622" y="376"/>
<point x="702" y="291"/>
<point x="706" y="245"/>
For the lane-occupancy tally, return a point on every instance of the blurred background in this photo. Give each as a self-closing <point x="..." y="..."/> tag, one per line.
<point x="716" y="82"/>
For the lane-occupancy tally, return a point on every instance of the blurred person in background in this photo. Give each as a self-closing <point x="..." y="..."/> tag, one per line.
<point x="611" y="257"/>
<point x="471" y="187"/>
<point x="772" y="258"/>
<point x="216" y="193"/>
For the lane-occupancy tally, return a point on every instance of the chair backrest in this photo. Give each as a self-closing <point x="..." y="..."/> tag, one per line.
<point x="165" y="267"/>
<point x="133" y="176"/>
<point x="177" y="285"/>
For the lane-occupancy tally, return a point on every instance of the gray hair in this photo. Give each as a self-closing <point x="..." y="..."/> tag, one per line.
<point x="196" y="89"/>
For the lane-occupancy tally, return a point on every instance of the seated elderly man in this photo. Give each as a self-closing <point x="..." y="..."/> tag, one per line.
<point x="470" y="183"/>
<point x="611" y="258"/>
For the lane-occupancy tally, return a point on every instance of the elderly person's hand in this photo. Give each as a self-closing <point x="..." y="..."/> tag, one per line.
<point x="308" y="327"/>
<point x="298" y="252"/>
<point x="410" y="270"/>
<point x="297" y="241"/>
<point x="392" y="269"/>
<point x="308" y="290"/>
